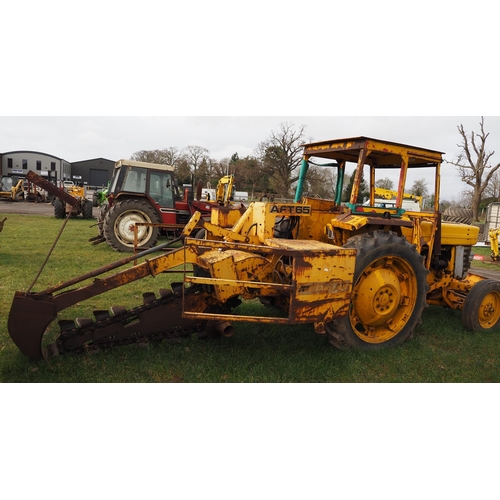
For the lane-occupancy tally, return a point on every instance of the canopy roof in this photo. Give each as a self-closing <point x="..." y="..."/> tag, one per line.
<point x="381" y="154"/>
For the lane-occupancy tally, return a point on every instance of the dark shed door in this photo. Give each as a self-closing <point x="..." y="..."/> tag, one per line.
<point x="98" y="177"/>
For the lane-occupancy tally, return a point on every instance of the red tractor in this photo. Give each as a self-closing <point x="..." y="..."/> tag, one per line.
<point x="146" y="193"/>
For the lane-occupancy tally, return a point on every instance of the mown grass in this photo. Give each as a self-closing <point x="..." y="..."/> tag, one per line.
<point x="442" y="351"/>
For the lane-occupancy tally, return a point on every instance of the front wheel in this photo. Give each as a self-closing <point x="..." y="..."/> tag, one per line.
<point x="119" y="225"/>
<point x="59" y="209"/>
<point x="87" y="209"/>
<point x="481" y="309"/>
<point x="388" y="296"/>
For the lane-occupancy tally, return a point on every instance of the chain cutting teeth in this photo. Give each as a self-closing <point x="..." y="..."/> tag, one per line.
<point x="66" y="324"/>
<point x="117" y="310"/>
<point x="81" y="322"/>
<point x="158" y="318"/>
<point x="148" y="297"/>
<point x="100" y="315"/>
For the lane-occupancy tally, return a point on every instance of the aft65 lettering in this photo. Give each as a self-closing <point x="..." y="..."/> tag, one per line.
<point x="291" y="209"/>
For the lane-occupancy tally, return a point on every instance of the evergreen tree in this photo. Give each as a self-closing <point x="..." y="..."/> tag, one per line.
<point x="362" y="192"/>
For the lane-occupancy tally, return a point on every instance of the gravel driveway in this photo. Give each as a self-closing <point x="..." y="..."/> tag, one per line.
<point x="24" y="207"/>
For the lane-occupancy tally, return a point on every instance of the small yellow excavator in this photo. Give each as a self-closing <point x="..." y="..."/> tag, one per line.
<point x="495" y="253"/>
<point x="12" y="189"/>
<point x="224" y="195"/>
<point x="387" y="194"/>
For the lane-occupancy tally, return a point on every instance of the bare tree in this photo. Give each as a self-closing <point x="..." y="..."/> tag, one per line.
<point x="167" y="156"/>
<point x="281" y="154"/>
<point x="215" y="171"/>
<point x="473" y="163"/>
<point x="322" y="182"/>
<point x="194" y="155"/>
<point x="492" y="189"/>
<point x="465" y="200"/>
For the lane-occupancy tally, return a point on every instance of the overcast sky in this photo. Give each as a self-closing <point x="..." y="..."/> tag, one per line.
<point x="173" y="74"/>
<point x="81" y="138"/>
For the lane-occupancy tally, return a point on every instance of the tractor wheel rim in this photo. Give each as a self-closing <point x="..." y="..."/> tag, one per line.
<point x="384" y="298"/>
<point x="125" y="228"/>
<point x="489" y="310"/>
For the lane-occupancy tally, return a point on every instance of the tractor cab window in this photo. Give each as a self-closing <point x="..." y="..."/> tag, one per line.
<point x="117" y="179"/>
<point x="135" y="180"/>
<point x="160" y="188"/>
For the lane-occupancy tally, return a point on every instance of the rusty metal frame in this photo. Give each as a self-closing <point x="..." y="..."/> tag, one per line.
<point x="159" y="225"/>
<point x="297" y="253"/>
<point x="50" y="188"/>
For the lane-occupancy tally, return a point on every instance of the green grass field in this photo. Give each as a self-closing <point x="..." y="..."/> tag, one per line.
<point x="442" y="351"/>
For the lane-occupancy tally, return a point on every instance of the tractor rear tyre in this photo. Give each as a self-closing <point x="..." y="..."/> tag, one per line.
<point x="460" y="215"/>
<point x="481" y="311"/>
<point x="119" y="224"/>
<point x="388" y="296"/>
<point x="59" y="209"/>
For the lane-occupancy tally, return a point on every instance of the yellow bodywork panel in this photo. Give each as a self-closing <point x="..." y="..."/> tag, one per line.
<point x="444" y="290"/>
<point x="314" y="277"/>
<point x="321" y="205"/>
<point x="347" y="222"/>
<point x="322" y="212"/>
<point x="225" y="216"/>
<point x="274" y="212"/>
<point x="232" y="270"/>
<point x="258" y="222"/>
<point x="322" y="277"/>
<point x="76" y="191"/>
<point x="459" y="234"/>
<point x="451" y="233"/>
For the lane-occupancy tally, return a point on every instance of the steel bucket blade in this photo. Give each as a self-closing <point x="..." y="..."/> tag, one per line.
<point x="28" y="320"/>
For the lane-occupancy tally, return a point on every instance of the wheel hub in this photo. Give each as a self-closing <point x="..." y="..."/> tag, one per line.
<point x="488" y="313"/>
<point x="384" y="300"/>
<point x="377" y="298"/>
<point x="125" y="227"/>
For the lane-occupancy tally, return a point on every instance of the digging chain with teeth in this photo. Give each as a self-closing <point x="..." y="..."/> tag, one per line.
<point x="146" y="323"/>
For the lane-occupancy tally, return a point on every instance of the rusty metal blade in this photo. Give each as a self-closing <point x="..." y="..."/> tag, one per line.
<point x="28" y="320"/>
<point x="50" y="188"/>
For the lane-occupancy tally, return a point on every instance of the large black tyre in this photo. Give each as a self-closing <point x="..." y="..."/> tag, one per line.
<point x="95" y="199"/>
<point x="87" y="209"/>
<point x="461" y="215"/>
<point x="200" y="234"/>
<point x="389" y="294"/>
<point x="59" y="209"/>
<point x="481" y="311"/>
<point x="119" y="224"/>
<point x="101" y="215"/>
